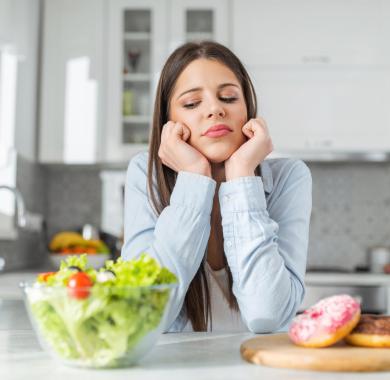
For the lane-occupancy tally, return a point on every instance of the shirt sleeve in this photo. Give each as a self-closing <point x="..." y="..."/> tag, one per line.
<point x="178" y="237"/>
<point x="266" y="245"/>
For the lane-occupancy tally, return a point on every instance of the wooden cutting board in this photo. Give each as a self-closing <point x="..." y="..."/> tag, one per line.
<point x="278" y="351"/>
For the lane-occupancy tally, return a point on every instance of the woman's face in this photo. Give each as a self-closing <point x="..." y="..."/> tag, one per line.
<point x="208" y="94"/>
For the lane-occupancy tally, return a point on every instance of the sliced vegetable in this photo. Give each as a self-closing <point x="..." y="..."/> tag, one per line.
<point x="43" y="277"/>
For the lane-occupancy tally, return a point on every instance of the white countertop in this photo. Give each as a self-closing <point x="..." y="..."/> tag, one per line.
<point x="177" y="356"/>
<point x="356" y="278"/>
<point x="9" y="283"/>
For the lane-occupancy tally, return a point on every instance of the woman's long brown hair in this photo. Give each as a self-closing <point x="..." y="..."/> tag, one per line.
<point x="162" y="179"/>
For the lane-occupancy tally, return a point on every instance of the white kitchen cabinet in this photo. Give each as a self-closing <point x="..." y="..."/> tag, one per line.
<point x="101" y="64"/>
<point x="19" y="26"/>
<point x="148" y="30"/>
<point x="321" y="70"/>
<point x="72" y="109"/>
<point x="325" y="110"/>
<point x="19" y="21"/>
<point x="311" y="32"/>
<point x="5" y="12"/>
<point x="137" y="48"/>
<point x="199" y="20"/>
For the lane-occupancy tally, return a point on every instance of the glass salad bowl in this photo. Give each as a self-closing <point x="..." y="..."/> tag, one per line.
<point x="100" y="319"/>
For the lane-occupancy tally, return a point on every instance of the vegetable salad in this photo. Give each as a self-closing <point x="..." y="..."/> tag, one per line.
<point x="97" y="318"/>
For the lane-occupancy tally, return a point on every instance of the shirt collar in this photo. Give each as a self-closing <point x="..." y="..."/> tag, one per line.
<point x="266" y="175"/>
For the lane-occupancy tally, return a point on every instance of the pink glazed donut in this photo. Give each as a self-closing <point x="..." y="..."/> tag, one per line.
<point x="325" y="323"/>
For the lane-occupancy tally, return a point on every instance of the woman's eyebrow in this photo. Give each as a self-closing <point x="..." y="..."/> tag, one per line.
<point x="220" y="87"/>
<point x="227" y="84"/>
<point x="190" y="90"/>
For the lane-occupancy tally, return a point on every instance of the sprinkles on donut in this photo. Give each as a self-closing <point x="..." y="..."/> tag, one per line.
<point x="326" y="322"/>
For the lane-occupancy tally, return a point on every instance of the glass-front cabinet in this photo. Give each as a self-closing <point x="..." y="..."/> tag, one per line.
<point x="199" y="20"/>
<point x="137" y="48"/>
<point x="141" y="34"/>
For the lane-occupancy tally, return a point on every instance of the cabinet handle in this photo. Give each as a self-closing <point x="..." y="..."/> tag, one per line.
<point x="316" y="59"/>
<point x="313" y="144"/>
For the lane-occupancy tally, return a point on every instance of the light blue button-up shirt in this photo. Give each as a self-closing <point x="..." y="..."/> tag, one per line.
<point x="265" y="223"/>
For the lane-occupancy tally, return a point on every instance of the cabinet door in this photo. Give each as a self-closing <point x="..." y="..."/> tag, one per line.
<point x="322" y="77"/>
<point x="199" y="20"/>
<point x="71" y="103"/>
<point x="311" y="32"/>
<point x="5" y="21"/>
<point x="137" y="49"/>
<point x="324" y="110"/>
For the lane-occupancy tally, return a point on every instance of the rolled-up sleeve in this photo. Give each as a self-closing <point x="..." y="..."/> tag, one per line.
<point x="178" y="237"/>
<point x="266" y="245"/>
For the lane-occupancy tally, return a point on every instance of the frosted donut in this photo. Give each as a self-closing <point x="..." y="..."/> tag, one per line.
<point x="325" y="323"/>
<point x="371" y="331"/>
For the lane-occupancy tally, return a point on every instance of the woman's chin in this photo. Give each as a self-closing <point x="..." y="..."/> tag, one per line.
<point x="217" y="156"/>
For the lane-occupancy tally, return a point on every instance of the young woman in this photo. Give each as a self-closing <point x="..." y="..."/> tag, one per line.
<point x="206" y="204"/>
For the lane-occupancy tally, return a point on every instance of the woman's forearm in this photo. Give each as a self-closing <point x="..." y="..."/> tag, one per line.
<point x="267" y="258"/>
<point x="177" y="238"/>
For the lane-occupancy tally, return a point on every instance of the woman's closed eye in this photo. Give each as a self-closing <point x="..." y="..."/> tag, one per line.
<point x="228" y="99"/>
<point x="225" y="99"/>
<point x="191" y="105"/>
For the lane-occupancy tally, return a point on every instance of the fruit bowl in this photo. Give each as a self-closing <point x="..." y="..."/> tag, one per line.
<point x="100" y="319"/>
<point x="96" y="260"/>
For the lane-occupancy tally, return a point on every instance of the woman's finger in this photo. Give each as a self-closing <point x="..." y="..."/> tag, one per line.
<point x="247" y="132"/>
<point x="182" y="131"/>
<point x="247" y="129"/>
<point x="166" y="130"/>
<point x="259" y="126"/>
<point x="186" y="133"/>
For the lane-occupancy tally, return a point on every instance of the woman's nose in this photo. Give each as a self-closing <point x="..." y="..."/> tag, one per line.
<point x="215" y="110"/>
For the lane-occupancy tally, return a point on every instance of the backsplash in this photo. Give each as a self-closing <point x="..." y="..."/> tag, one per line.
<point x="73" y="196"/>
<point x="351" y="209"/>
<point x="351" y="212"/>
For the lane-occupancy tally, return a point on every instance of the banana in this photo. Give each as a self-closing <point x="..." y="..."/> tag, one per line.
<point x="68" y="239"/>
<point x="65" y="239"/>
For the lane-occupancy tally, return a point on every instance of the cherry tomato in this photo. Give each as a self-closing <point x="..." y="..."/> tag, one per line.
<point x="45" y="276"/>
<point x="78" y="285"/>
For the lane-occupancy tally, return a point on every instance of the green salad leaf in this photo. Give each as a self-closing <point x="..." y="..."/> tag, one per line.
<point x="103" y="329"/>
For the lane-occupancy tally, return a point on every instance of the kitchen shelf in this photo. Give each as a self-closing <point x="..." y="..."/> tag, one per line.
<point x="335" y="156"/>
<point x="136" y="77"/>
<point x="144" y="119"/>
<point x="199" y="36"/>
<point x="136" y="36"/>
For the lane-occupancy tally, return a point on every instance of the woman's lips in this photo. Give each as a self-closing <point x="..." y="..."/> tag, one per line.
<point x="217" y="131"/>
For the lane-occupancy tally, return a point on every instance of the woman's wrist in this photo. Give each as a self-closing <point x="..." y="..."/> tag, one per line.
<point x="203" y="169"/>
<point x="237" y="171"/>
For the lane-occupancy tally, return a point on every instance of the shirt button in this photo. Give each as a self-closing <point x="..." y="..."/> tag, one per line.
<point x="229" y="243"/>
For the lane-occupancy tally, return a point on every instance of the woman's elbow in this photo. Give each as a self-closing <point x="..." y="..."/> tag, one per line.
<point x="262" y="325"/>
<point x="271" y="322"/>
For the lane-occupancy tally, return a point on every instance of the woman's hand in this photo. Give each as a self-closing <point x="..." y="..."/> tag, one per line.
<point x="243" y="162"/>
<point x="177" y="154"/>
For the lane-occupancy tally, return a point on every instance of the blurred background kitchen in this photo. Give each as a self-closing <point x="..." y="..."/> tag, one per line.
<point x="77" y="81"/>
